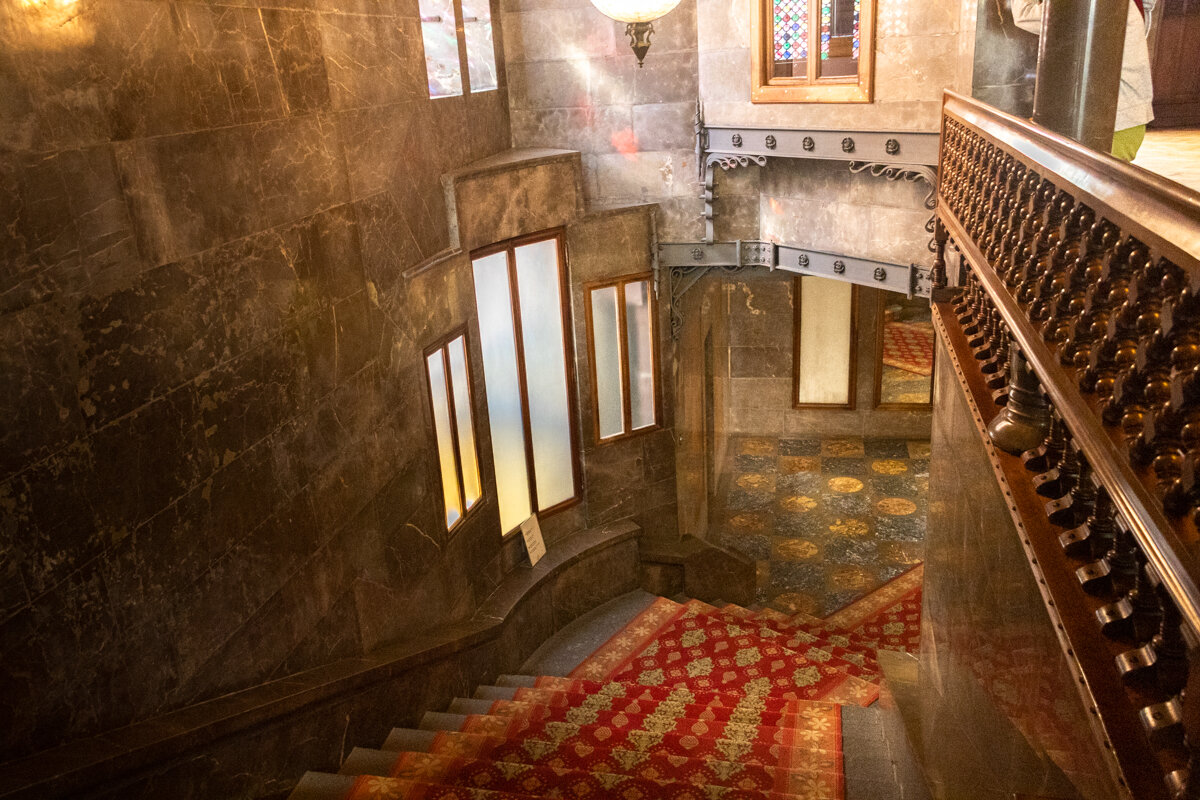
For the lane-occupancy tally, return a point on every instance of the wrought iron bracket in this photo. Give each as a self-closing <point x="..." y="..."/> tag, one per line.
<point x="892" y="155"/>
<point x="725" y="162"/>
<point x="688" y="262"/>
<point x="902" y="173"/>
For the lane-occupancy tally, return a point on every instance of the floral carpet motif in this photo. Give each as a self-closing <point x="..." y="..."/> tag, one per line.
<point x="687" y="702"/>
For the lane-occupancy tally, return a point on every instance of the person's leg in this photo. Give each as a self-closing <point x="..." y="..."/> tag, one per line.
<point x="1127" y="142"/>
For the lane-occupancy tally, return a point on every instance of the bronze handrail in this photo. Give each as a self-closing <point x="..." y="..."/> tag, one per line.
<point x="1163" y="215"/>
<point x="1159" y="211"/>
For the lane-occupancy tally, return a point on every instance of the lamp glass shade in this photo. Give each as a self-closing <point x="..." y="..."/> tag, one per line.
<point x="634" y="10"/>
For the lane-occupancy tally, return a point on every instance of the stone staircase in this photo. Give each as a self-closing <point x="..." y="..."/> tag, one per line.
<point x="735" y="731"/>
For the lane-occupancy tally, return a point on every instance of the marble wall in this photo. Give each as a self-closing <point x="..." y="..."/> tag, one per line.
<point x="1000" y="715"/>
<point x="216" y="463"/>
<point x="575" y="83"/>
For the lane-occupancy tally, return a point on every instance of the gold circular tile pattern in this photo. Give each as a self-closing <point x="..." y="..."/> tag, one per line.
<point x="918" y="449"/>
<point x="795" y="603"/>
<point x="849" y="576"/>
<point x="754" y="480"/>
<point x="790" y="465"/>
<point x="758" y="447"/>
<point x="797" y="550"/>
<point x="900" y="552"/>
<point x="896" y="506"/>
<point x="748" y="522"/>
<point x="850" y="527"/>
<point x="799" y="503"/>
<point x="846" y="485"/>
<point x="842" y="447"/>
<point x="889" y="466"/>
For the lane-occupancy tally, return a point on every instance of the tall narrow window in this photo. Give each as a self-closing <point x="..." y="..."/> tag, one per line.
<point x="823" y="357"/>
<point x="438" y="33"/>
<point x="621" y="332"/>
<point x="526" y="368"/>
<point x="812" y="51"/>
<point x="481" y="53"/>
<point x="454" y="426"/>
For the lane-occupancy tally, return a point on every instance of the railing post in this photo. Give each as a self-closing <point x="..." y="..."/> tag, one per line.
<point x="1025" y="419"/>
<point x="1079" y="69"/>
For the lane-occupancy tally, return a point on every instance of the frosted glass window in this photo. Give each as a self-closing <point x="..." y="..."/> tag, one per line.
<point x="641" y="354"/>
<point x="505" y="407"/>
<point x="450" y="400"/>
<point x="439" y="35"/>
<point x="460" y="379"/>
<point x="622" y="338"/>
<point x="527" y="378"/>
<point x="546" y="371"/>
<point x="606" y="342"/>
<point x="824" y="341"/>
<point x="445" y="438"/>
<point x="481" y="53"/>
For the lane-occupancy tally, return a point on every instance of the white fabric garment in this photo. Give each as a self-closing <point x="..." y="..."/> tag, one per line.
<point x="1134" y="99"/>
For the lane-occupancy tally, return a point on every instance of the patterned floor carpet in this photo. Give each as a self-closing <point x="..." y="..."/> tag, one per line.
<point x="826" y="519"/>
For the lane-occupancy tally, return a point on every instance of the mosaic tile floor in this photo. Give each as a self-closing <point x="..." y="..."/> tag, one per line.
<point x="826" y="520"/>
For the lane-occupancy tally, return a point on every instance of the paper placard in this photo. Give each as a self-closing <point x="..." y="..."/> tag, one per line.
<point x="532" y="533"/>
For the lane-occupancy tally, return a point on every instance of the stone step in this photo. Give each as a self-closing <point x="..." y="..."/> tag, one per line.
<point x="322" y="786"/>
<point x="409" y="739"/>
<point x="442" y="721"/>
<point x="517" y="681"/>
<point x="365" y="761"/>
<point x="495" y="692"/>
<point x="470" y="705"/>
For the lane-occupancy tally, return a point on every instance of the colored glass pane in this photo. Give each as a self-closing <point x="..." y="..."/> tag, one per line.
<point x="857" y="9"/>
<point x="791" y="30"/>
<point x="826" y="22"/>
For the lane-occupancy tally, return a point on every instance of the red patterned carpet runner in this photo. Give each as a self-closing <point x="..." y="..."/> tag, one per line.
<point x="687" y="702"/>
<point x="909" y="346"/>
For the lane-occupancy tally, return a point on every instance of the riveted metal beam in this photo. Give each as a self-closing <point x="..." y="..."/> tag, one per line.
<point x="891" y="147"/>
<point x="688" y="262"/>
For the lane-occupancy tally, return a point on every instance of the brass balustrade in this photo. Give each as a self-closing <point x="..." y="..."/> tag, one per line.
<point x="1088" y="269"/>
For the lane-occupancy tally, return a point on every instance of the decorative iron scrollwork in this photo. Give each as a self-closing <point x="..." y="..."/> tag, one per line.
<point x="737" y="140"/>
<point x="848" y="145"/>
<point x="803" y="260"/>
<point x="880" y="274"/>
<point x="839" y="267"/>
<point x="808" y="144"/>
<point x="771" y="142"/>
<point x="892" y="147"/>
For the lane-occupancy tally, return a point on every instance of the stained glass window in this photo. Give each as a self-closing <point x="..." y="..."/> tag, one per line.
<point x="812" y="51"/>
<point x="791" y="30"/>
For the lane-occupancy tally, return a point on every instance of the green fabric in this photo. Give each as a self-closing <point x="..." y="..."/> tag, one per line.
<point x="1127" y="142"/>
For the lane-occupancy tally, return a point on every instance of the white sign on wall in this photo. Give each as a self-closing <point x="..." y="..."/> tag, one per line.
<point x="532" y="533"/>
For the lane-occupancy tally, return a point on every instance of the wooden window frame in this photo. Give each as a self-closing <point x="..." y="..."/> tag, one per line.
<point x="509" y="248"/>
<point x="443" y="345"/>
<point x="852" y="378"/>
<point x="764" y="88"/>
<point x="881" y="306"/>
<point x="627" y="401"/>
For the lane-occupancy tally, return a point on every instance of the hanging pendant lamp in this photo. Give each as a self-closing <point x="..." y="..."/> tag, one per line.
<point x="638" y="16"/>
